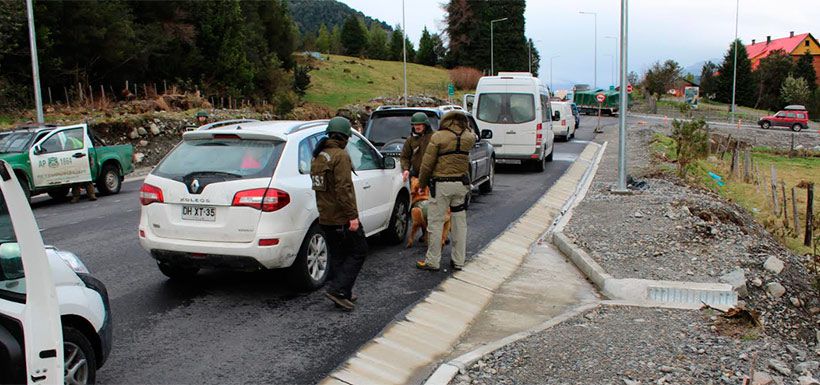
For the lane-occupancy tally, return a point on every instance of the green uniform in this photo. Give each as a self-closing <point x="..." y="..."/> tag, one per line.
<point x="413" y="152"/>
<point x="331" y="176"/>
<point x="442" y="158"/>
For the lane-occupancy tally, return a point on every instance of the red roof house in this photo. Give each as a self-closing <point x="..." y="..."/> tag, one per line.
<point x="794" y="45"/>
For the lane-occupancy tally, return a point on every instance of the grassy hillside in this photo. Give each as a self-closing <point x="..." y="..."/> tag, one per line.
<point x="365" y="79"/>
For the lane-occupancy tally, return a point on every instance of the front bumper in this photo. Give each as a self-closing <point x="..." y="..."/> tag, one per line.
<point x="106" y="332"/>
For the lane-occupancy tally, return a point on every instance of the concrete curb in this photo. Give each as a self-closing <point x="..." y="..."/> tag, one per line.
<point x="434" y="325"/>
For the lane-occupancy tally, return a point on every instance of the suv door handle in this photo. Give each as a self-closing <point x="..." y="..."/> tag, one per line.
<point x="78" y="155"/>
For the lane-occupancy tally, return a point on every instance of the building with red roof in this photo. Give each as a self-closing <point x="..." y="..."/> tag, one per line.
<point x="794" y="45"/>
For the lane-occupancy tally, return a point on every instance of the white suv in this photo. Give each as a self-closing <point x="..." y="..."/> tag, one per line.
<point x="239" y="197"/>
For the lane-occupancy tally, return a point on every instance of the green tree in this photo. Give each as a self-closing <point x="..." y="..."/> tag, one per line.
<point x="336" y="40"/>
<point x="323" y="40"/>
<point x="692" y="139"/>
<point x="805" y="69"/>
<point x="468" y="26"/>
<point x="745" y="88"/>
<point x="395" y="44"/>
<point x="439" y="48"/>
<point x="708" y="81"/>
<point x="377" y="43"/>
<point x="222" y="39"/>
<point x="354" y="36"/>
<point x="536" y="58"/>
<point x="427" y="53"/>
<point x="661" y="77"/>
<point x="795" y="91"/>
<point x="770" y="74"/>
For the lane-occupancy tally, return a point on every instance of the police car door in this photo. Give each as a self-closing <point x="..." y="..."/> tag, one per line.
<point x="61" y="157"/>
<point x="371" y="196"/>
<point x="30" y="329"/>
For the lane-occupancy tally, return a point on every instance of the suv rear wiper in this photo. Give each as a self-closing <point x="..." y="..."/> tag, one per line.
<point x="212" y="173"/>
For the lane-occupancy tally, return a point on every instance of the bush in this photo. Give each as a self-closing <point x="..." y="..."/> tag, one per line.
<point x="465" y="78"/>
<point x="692" y="142"/>
<point x="301" y="79"/>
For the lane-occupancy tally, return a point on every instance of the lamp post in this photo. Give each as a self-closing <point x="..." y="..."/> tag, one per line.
<point x="35" y="65"/>
<point x="492" y="62"/>
<point x="615" y="51"/>
<point x="552" y="57"/>
<point x="624" y="99"/>
<point x="595" y="49"/>
<point x="734" y="71"/>
<point x="529" y="49"/>
<point x="404" y="50"/>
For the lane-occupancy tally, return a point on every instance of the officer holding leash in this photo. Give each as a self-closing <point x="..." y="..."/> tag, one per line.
<point x="414" y="146"/>
<point x="330" y="174"/>
<point x="445" y="169"/>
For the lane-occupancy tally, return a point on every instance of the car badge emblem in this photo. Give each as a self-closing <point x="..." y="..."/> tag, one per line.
<point x="195" y="185"/>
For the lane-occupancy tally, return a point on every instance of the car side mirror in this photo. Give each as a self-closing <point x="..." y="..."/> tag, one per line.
<point x="486" y="134"/>
<point x="389" y="163"/>
<point x="556" y="116"/>
<point x="39" y="150"/>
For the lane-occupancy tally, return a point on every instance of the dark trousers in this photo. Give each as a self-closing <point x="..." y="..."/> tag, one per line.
<point x="347" y="253"/>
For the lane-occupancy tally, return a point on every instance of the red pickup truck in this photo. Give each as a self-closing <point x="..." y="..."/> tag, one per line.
<point x="795" y="117"/>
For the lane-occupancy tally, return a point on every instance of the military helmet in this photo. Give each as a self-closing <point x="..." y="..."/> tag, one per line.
<point x="201" y="113"/>
<point x="420" y="118"/>
<point x="340" y="125"/>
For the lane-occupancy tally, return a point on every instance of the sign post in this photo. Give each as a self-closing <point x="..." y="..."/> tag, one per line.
<point x="600" y="98"/>
<point x="451" y="91"/>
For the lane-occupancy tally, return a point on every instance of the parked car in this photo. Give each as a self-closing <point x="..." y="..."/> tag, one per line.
<point x="53" y="313"/>
<point x="239" y="197"/>
<point x="45" y="161"/>
<point x="389" y="127"/>
<point x="564" y="127"/>
<point x="515" y="107"/>
<point x="795" y="117"/>
<point x="577" y="114"/>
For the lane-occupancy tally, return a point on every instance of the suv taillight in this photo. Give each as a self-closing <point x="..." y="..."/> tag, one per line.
<point x="150" y="194"/>
<point x="266" y="200"/>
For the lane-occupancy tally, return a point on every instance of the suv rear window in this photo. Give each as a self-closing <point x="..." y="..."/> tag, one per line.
<point x="232" y="158"/>
<point x="506" y="108"/>
<point x="384" y="128"/>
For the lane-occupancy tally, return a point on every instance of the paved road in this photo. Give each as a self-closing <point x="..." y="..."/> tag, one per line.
<point x="250" y="327"/>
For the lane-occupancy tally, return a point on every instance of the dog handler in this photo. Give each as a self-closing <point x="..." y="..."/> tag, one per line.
<point x="330" y="174"/>
<point x="414" y="146"/>
<point x="445" y="168"/>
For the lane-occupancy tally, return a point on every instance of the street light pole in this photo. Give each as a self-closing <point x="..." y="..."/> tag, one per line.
<point x="492" y="42"/>
<point x="615" y="42"/>
<point x="624" y="99"/>
<point x="404" y="50"/>
<point x="552" y="57"/>
<point x="35" y="65"/>
<point x="595" y="49"/>
<point x="734" y="71"/>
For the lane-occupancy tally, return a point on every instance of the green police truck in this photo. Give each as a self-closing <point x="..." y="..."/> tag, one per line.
<point x="50" y="159"/>
<point x="587" y="102"/>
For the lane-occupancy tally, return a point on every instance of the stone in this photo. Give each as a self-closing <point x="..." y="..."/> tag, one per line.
<point x="154" y="129"/>
<point x="773" y="265"/>
<point x="138" y="157"/>
<point x="795" y="301"/>
<point x="143" y="143"/>
<point x="737" y="279"/>
<point x="667" y="369"/>
<point x="141" y="131"/>
<point x="780" y="367"/>
<point x="807" y="380"/>
<point x="630" y="382"/>
<point x="806" y="367"/>
<point x="757" y="282"/>
<point x="775" y="289"/>
<point x="134" y="134"/>
<point x="762" y="378"/>
<point x="638" y="214"/>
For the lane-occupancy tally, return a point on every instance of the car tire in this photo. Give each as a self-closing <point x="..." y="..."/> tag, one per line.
<point x="765" y="125"/>
<point x="311" y="267"/>
<point x="109" y="181"/>
<point x="539" y="165"/>
<point x="487" y="187"/>
<point x="60" y="195"/>
<point x="177" y="272"/>
<point x="797" y="127"/>
<point x="80" y="360"/>
<point x="549" y="157"/>
<point x="396" y="230"/>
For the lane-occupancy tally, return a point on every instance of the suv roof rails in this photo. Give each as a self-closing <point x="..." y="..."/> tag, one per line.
<point x="223" y="123"/>
<point x="450" y="107"/>
<point x="795" y="107"/>
<point x="306" y="125"/>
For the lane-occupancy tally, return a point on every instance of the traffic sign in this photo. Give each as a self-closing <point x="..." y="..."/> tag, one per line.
<point x="451" y="90"/>
<point x="600" y="98"/>
<point x="629" y="88"/>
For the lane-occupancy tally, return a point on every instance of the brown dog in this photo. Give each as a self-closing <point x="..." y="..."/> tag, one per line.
<point x="419" y="214"/>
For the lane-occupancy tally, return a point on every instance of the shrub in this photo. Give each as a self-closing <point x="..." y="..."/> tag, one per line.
<point x="465" y="78"/>
<point x="692" y="141"/>
<point x="301" y="79"/>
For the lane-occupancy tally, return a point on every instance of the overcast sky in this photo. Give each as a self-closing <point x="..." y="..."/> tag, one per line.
<point x="688" y="31"/>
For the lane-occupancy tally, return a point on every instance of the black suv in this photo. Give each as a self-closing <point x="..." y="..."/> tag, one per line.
<point x="388" y="128"/>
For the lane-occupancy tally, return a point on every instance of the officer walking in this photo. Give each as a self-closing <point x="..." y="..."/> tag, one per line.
<point x="414" y="146"/>
<point x="74" y="143"/>
<point x="330" y="174"/>
<point x="445" y="168"/>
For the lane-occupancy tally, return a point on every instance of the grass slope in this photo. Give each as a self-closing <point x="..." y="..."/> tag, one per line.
<point x="366" y="79"/>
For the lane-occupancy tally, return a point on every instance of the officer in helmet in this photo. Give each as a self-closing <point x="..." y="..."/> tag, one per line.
<point x="331" y="178"/>
<point x="414" y="146"/>
<point x="201" y="118"/>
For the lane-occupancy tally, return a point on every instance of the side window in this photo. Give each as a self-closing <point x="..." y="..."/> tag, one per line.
<point x="12" y="276"/>
<point x="68" y="140"/>
<point x="474" y="126"/>
<point x="801" y="116"/>
<point x="790" y="115"/>
<point x="781" y="115"/>
<point x="306" y="147"/>
<point x="361" y="154"/>
<point x="544" y="108"/>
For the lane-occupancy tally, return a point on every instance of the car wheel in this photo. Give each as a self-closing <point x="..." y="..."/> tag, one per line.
<point x="109" y="180"/>
<point x="312" y="264"/>
<point x="60" y="195"/>
<point x="797" y="127"/>
<point x="397" y="229"/>
<point x="177" y="272"/>
<point x="80" y="361"/>
<point x="540" y="164"/>
<point x="487" y="186"/>
<point x="549" y="157"/>
<point x="765" y="125"/>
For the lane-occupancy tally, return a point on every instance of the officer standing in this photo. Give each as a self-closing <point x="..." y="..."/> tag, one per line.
<point x="445" y="168"/>
<point x="201" y="118"/>
<point x="414" y="146"/>
<point x="74" y="143"/>
<point x="330" y="174"/>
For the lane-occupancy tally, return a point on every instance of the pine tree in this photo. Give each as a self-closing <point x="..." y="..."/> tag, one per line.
<point x="468" y="27"/>
<point x="354" y="37"/>
<point x="708" y="81"/>
<point x="336" y="40"/>
<point x="805" y="69"/>
<point x="745" y="94"/>
<point x="396" y="44"/>
<point x="426" y="54"/>
<point x="377" y="43"/>
<point x="221" y="40"/>
<point x="323" y="40"/>
<point x="536" y="58"/>
<point x="439" y="48"/>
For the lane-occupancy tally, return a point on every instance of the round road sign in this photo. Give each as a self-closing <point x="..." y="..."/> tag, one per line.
<point x="629" y="88"/>
<point x="600" y="98"/>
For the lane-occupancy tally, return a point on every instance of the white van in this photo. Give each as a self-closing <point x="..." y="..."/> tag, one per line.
<point x="564" y="127"/>
<point x="515" y="107"/>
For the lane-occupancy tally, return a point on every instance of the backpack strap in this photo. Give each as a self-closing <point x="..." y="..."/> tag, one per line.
<point x="458" y="150"/>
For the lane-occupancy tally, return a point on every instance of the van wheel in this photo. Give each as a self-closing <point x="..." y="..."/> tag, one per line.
<point x="109" y="180"/>
<point x="312" y="265"/>
<point x="80" y="362"/>
<point x="59" y="195"/>
<point x="487" y="187"/>
<point x="549" y="157"/>
<point x="177" y="272"/>
<point x="540" y="164"/>
<point x="397" y="229"/>
<point x="797" y="127"/>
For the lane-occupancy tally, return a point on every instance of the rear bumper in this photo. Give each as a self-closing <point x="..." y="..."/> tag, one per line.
<point x="226" y="255"/>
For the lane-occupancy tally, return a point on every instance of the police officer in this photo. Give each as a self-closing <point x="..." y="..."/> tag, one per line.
<point x="330" y="173"/>
<point x="414" y="146"/>
<point x="201" y="118"/>
<point x="445" y="169"/>
<point x="74" y="143"/>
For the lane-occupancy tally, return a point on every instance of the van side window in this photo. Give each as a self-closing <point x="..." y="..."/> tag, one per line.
<point x="544" y="108"/>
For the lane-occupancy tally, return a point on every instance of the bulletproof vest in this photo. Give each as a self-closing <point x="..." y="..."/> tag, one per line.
<point x="458" y="150"/>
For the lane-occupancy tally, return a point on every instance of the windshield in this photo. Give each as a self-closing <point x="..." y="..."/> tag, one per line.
<point x="15" y="142"/>
<point x="228" y="158"/>
<point x="384" y="128"/>
<point x="506" y="108"/>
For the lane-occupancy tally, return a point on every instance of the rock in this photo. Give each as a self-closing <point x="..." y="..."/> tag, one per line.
<point x="638" y="214"/>
<point x="630" y="382"/>
<point x="814" y="310"/>
<point x="807" y="380"/>
<point x="775" y="289"/>
<point x="737" y="279"/>
<point x="799" y="147"/>
<point x="138" y="157"/>
<point x="143" y="143"/>
<point x="141" y="131"/>
<point x="671" y="214"/>
<point x="795" y="351"/>
<point x="757" y="282"/>
<point x="795" y="301"/>
<point x="762" y="378"/>
<point x="806" y="367"/>
<point x="154" y="129"/>
<point x="780" y="367"/>
<point x="667" y="369"/>
<point x="134" y="134"/>
<point x="773" y="265"/>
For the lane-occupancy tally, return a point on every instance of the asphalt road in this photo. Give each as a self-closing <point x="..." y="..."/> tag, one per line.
<point x="251" y="327"/>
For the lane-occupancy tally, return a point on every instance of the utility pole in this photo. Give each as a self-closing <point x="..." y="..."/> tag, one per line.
<point x="734" y="71"/>
<point x="595" y="49"/>
<point x="35" y="65"/>
<point x="404" y="50"/>
<point x="624" y="99"/>
<point x="492" y="44"/>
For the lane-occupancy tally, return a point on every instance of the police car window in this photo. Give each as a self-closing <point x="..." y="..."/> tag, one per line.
<point x="306" y="147"/>
<point x="361" y="154"/>
<point x="67" y="140"/>
<point x="12" y="275"/>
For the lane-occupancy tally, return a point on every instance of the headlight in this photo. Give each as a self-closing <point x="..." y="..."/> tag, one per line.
<point x="70" y="259"/>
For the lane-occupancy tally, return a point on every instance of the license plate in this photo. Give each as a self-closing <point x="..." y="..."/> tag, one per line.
<point x="508" y="161"/>
<point x="199" y="213"/>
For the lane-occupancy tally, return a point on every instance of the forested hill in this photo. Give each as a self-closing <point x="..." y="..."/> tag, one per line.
<point x="309" y="15"/>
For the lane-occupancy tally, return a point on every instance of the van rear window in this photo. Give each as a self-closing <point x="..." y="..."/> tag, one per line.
<point x="232" y="158"/>
<point x="506" y="108"/>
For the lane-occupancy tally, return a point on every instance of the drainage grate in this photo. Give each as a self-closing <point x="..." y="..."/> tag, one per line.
<point x="678" y="295"/>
